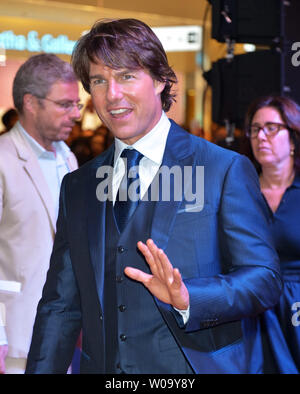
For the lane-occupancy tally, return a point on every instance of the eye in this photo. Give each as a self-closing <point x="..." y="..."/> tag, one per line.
<point x="271" y="127"/>
<point x="65" y="104"/>
<point x="255" y="129"/>
<point x="127" y="77"/>
<point x="97" y="81"/>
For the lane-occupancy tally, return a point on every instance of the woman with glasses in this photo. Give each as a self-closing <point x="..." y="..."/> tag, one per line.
<point x="273" y="127"/>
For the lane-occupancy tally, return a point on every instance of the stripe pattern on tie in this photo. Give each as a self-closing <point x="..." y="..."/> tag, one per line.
<point x="128" y="195"/>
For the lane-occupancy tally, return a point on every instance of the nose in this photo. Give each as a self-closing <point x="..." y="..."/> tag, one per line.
<point x="114" y="91"/>
<point x="261" y="134"/>
<point x="75" y="112"/>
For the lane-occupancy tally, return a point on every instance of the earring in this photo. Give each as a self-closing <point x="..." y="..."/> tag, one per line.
<point x="292" y="152"/>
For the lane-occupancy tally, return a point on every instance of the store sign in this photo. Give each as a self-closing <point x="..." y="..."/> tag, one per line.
<point x="180" y="38"/>
<point x="173" y="39"/>
<point x="33" y="43"/>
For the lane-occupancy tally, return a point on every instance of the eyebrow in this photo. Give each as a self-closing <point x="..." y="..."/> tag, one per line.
<point x="65" y="100"/>
<point x="258" y="123"/>
<point x="96" y="76"/>
<point x="118" y="72"/>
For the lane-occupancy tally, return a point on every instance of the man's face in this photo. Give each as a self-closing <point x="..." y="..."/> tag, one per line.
<point x="127" y="101"/>
<point x="53" y="122"/>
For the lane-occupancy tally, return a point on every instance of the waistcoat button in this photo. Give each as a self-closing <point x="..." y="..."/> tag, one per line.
<point x="122" y="308"/>
<point x="123" y="337"/>
<point x="121" y="249"/>
<point x="119" y="278"/>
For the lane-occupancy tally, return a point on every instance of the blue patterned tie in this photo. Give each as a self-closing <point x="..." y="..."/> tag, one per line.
<point x="127" y="198"/>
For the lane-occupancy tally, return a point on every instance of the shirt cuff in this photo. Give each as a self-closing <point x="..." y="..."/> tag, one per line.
<point x="185" y="314"/>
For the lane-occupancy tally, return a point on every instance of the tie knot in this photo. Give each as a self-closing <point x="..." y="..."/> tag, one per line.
<point x="133" y="157"/>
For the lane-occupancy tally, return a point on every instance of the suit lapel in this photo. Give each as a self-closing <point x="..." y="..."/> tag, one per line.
<point x="179" y="153"/>
<point x="96" y="212"/>
<point x="34" y="172"/>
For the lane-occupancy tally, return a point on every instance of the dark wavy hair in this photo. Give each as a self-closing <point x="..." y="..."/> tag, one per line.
<point x="124" y="43"/>
<point x="289" y="111"/>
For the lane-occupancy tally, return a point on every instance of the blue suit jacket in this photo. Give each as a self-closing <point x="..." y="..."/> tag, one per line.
<point x="222" y="248"/>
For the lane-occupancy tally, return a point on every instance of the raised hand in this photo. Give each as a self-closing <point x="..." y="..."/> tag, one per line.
<point x="165" y="283"/>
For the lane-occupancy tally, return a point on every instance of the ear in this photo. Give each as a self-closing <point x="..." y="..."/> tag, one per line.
<point x="29" y="102"/>
<point x="292" y="145"/>
<point x="159" y="86"/>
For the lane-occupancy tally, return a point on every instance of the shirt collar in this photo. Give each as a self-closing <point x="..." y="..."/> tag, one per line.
<point x="59" y="146"/>
<point x="152" y="145"/>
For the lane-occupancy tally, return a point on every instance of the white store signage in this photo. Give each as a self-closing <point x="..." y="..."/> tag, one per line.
<point x="173" y="39"/>
<point x="33" y="43"/>
<point x="180" y="38"/>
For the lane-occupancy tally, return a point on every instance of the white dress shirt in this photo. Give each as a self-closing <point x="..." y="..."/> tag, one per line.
<point x="54" y="165"/>
<point x="152" y="146"/>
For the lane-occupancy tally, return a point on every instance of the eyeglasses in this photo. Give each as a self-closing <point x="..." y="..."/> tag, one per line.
<point x="270" y="129"/>
<point x="67" y="106"/>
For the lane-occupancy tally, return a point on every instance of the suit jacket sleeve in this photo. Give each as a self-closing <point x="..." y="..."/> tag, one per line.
<point x="250" y="281"/>
<point x="58" y="319"/>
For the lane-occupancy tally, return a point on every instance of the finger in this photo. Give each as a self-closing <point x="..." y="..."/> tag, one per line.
<point x="137" y="275"/>
<point x="150" y="252"/>
<point x="166" y="268"/>
<point x="149" y="257"/>
<point x="143" y="248"/>
<point x="155" y="253"/>
<point x="177" y="278"/>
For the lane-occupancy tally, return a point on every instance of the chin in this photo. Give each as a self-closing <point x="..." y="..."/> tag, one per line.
<point x="263" y="158"/>
<point x="64" y="136"/>
<point x="267" y="164"/>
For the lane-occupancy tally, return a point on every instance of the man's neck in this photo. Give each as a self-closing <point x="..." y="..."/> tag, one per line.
<point x="34" y="133"/>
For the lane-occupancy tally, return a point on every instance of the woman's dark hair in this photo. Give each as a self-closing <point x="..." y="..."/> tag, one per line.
<point x="124" y="43"/>
<point x="289" y="111"/>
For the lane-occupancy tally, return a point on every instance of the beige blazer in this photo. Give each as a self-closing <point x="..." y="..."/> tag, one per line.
<point x="27" y="228"/>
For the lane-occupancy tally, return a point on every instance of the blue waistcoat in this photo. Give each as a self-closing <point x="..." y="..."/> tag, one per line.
<point x="137" y="338"/>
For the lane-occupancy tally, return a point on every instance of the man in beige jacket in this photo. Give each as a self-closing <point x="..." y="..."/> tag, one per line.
<point x="33" y="161"/>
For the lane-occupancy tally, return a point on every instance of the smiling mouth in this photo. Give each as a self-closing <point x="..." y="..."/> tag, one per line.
<point x="119" y="111"/>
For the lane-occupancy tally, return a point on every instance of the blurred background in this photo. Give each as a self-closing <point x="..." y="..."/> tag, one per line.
<point x="224" y="52"/>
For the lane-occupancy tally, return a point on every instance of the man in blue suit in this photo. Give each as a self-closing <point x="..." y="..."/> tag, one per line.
<point x="165" y="284"/>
